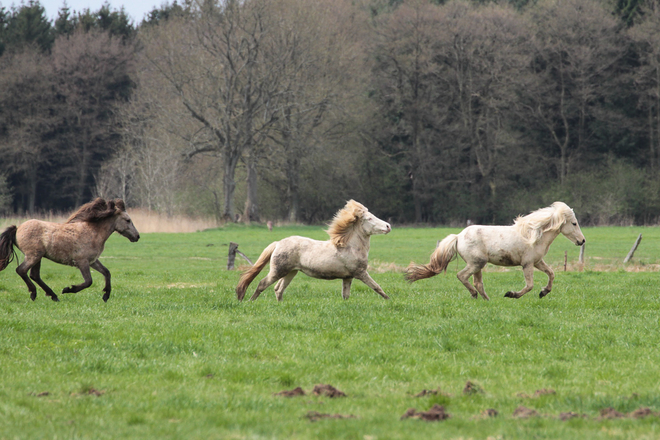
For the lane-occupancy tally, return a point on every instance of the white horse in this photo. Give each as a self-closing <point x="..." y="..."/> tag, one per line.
<point x="343" y="256"/>
<point x="525" y="243"/>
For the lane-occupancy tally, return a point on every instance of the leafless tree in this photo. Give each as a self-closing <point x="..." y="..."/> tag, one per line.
<point x="576" y="45"/>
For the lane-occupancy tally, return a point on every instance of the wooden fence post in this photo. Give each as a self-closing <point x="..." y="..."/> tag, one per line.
<point x="581" y="258"/>
<point x="634" y="248"/>
<point x="233" y="250"/>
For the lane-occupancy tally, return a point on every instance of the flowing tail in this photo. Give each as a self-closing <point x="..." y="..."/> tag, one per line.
<point x="440" y="259"/>
<point x="7" y="243"/>
<point x="252" y="272"/>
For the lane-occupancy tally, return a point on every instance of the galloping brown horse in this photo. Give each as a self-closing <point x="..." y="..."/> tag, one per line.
<point x="78" y="242"/>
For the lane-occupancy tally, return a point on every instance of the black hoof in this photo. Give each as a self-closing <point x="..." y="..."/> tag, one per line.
<point x="55" y="298"/>
<point x="67" y="290"/>
<point x="33" y="296"/>
<point x="106" y="297"/>
<point x="543" y="293"/>
<point x="510" y="295"/>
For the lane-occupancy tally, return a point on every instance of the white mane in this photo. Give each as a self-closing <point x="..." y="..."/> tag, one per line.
<point x="552" y="218"/>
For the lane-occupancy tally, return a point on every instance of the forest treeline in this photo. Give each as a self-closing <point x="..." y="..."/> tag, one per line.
<point x="253" y="110"/>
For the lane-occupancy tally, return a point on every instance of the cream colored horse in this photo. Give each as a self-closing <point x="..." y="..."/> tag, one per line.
<point x="344" y="256"/>
<point x="78" y="242"/>
<point x="525" y="243"/>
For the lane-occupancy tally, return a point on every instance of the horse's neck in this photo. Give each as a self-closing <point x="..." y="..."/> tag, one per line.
<point x="546" y="240"/>
<point x="105" y="228"/>
<point x="359" y="243"/>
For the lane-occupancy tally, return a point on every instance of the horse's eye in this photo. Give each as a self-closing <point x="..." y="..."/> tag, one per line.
<point x="574" y="223"/>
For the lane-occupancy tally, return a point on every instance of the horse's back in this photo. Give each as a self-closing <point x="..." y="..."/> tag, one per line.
<point x="32" y="236"/>
<point x="63" y="243"/>
<point x="318" y="259"/>
<point x="500" y="245"/>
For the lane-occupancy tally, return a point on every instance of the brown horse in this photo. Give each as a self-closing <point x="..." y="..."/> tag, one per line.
<point x="78" y="242"/>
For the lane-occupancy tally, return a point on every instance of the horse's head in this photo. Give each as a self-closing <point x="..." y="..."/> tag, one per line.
<point x="372" y="225"/>
<point x="123" y="223"/>
<point x="571" y="228"/>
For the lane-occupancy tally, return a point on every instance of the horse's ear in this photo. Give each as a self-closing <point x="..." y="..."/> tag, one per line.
<point x="99" y="204"/>
<point x="111" y="205"/>
<point x="119" y="203"/>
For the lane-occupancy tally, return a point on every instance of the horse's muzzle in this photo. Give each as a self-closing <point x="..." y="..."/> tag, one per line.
<point x="578" y="243"/>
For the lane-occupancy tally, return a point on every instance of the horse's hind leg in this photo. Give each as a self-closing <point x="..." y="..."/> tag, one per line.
<point x="22" y="271"/>
<point x="36" y="276"/>
<point x="479" y="284"/>
<point x="283" y="283"/>
<point x="106" y="274"/>
<point x="528" y="271"/>
<point x="87" y="276"/>
<point x="465" y="274"/>
<point x="543" y="267"/>
<point x="269" y="279"/>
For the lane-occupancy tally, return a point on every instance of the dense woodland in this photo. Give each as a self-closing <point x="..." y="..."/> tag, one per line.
<point x="426" y="111"/>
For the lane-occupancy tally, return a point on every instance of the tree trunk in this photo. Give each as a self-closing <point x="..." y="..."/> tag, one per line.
<point x="293" y="177"/>
<point x="251" y="207"/>
<point x="229" y="184"/>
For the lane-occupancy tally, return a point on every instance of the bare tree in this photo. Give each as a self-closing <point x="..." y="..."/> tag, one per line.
<point x="575" y="48"/>
<point x="93" y="70"/>
<point x="315" y="58"/>
<point x="646" y="35"/>
<point x="211" y="62"/>
<point x="26" y="101"/>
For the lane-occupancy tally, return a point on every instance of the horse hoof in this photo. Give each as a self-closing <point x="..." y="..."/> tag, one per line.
<point x="33" y="297"/>
<point x="510" y="295"/>
<point x="106" y="297"/>
<point x="66" y="290"/>
<point x="55" y="298"/>
<point x="543" y="293"/>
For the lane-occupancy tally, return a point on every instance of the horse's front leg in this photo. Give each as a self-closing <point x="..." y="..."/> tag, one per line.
<point x="346" y="287"/>
<point x="106" y="274"/>
<point x="366" y="279"/>
<point x="87" y="277"/>
<point x="36" y="276"/>
<point x="543" y="267"/>
<point x="528" y="271"/>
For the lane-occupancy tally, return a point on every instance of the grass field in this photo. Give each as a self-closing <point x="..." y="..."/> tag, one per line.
<point x="173" y="355"/>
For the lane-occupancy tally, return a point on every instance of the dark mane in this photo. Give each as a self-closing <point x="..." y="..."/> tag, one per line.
<point x="97" y="210"/>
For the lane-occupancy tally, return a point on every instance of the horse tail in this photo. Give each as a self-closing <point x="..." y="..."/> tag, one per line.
<point x="440" y="259"/>
<point x="7" y="243"/>
<point x="252" y="272"/>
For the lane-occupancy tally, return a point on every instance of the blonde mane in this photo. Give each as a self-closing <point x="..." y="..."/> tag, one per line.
<point x="343" y="224"/>
<point x="552" y="218"/>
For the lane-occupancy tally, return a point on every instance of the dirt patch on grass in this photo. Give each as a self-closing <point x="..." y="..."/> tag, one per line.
<point x="537" y="393"/>
<point x="472" y="388"/>
<point x="291" y="393"/>
<point x="523" y="412"/>
<point x="328" y="391"/>
<point x="610" y="413"/>
<point x="570" y="415"/>
<point x="89" y="392"/>
<point x="644" y="412"/>
<point x="314" y="416"/>
<point x="435" y="414"/>
<point x="435" y="392"/>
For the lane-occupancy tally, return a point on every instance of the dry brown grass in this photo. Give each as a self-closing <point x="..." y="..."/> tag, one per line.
<point x="145" y="221"/>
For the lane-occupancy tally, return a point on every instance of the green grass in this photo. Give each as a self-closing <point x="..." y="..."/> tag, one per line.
<point x="174" y="355"/>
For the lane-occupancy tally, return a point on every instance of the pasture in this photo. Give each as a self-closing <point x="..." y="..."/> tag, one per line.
<point x="173" y="354"/>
